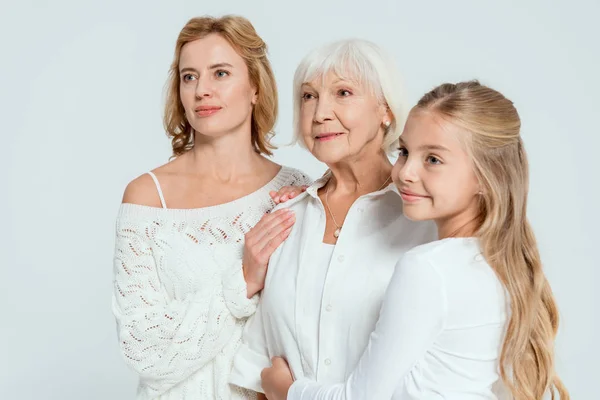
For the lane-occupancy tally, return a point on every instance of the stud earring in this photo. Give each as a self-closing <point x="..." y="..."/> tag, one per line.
<point x="387" y="124"/>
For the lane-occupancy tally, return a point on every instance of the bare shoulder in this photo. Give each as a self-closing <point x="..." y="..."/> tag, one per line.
<point x="142" y="191"/>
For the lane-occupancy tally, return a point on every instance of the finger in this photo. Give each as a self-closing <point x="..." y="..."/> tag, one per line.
<point x="272" y="245"/>
<point x="271" y="225"/>
<point x="273" y="194"/>
<point x="258" y="231"/>
<point x="269" y="243"/>
<point x="278" y="362"/>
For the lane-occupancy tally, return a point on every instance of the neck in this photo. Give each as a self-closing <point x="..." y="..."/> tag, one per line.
<point x="226" y="157"/>
<point x="363" y="175"/>
<point x="460" y="225"/>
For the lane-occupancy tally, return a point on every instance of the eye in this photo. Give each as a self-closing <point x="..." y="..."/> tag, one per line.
<point x="344" y="93"/>
<point x="433" y="160"/>
<point x="402" y="152"/>
<point x="307" y="96"/>
<point x="188" y="77"/>
<point x="221" y="73"/>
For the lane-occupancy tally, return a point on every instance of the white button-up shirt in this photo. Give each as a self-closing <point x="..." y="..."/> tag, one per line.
<point x="320" y="321"/>
<point x="439" y="334"/>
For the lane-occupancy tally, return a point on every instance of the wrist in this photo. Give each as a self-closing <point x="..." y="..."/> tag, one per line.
<point x="253" y="288"/>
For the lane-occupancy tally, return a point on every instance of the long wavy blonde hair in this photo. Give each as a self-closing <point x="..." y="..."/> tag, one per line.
<point x="242" y="36"/>
<point x="507" y="240"/>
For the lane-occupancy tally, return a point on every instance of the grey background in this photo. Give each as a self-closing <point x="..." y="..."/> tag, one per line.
<point x="81" y="105"/>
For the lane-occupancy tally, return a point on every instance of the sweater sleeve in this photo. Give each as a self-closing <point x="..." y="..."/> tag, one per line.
<point x="411" y="317"/>
<point x="163" y="339"/>
<point x="298" y="178"/>
<point x="235" y="290"/>
<point x="252" y="356"/>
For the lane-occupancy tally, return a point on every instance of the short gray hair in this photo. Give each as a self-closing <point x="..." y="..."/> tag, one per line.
<point x="360" y="61"/>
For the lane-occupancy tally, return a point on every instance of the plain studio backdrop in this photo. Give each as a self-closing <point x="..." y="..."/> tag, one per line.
<point x="81" y="102"/>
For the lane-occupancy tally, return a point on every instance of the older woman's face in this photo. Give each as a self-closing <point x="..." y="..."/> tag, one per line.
<point x="340" y="119"/>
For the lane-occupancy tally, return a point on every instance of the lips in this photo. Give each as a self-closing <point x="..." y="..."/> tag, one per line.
<point x="328" y="136"/>
<point x="410" y="197"/>
<point x="207" y="111"/>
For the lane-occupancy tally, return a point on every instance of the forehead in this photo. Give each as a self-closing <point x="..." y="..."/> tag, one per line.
<point x="426" y="128"/>
<point x="330" y="78"/>
<point x="211" y="49"/>
<point x="328" y="73"/>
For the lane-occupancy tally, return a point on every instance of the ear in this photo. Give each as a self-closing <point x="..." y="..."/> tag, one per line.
<point x="387" y="118"/>
<point x="254" y="98"/>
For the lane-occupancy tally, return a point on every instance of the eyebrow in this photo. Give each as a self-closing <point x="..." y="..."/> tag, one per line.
<point x="213" y="66"/>
<point x="429" y="146"/>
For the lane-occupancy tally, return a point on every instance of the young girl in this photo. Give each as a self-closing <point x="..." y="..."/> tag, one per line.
<point x="474" y="306"/>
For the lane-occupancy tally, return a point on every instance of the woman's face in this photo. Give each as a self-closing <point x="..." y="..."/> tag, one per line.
<point x="215" y="87"/>
<point x="341" y="120"/>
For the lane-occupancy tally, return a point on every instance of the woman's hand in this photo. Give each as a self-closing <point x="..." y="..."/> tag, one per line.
<point x="287" y="193"/>
<point x="277" y="379"/>
<point x="260" y="242"/>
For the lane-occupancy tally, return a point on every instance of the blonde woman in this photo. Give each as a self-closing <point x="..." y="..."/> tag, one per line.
<point x="182" y="290"/>
<point x="474" y="306"/>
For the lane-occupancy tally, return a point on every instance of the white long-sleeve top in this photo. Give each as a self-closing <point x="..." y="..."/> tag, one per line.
<point x="439" y="334"/>
<point x="180" y="299"/>
<point x="318" y="310"/>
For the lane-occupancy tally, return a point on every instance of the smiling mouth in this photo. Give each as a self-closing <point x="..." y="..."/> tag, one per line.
<point x="411" y="197"/>
<point x="328" y="136"/>
<point x="207" y="111"/>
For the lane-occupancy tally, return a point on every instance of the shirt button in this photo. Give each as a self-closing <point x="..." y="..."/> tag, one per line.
<point x="341" y="258"/>
<point x="327" y="361"/>
<point x="361" y="210"/>
<point x="478" y="257"/>
<point x="329" y="307"/>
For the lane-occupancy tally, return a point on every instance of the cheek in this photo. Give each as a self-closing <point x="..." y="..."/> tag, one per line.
<point x="186" y="95"/>
<point x="306" y="124"/>
<point x="352" y="119"/>
<point x="451" y="190"/>
<point x="236" y="92"/>
<point x="396" y="170"/>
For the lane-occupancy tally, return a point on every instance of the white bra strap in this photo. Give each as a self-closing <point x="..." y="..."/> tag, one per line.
<point x="160" y="193"/>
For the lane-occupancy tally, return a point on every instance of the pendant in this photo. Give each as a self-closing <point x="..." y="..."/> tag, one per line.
<point x="336" y="233"/>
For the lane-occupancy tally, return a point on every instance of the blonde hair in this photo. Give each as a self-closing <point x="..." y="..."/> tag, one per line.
<point x="240" y="33"/>
<point x="365" y="63"/>
<point x="507" y="240"/>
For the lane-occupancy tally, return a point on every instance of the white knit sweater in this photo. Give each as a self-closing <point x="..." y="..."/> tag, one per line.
<point x="179" y="293"/>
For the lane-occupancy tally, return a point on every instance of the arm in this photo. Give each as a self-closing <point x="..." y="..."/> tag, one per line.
<point x="412" y="316"/>
<point x="162" y="339"/>
<point x="252" y="356"/>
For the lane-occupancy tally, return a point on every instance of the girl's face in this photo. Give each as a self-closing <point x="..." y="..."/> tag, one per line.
<point x="434" y="173"/>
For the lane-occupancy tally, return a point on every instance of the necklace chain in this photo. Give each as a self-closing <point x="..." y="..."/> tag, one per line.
<point x="338" y="229"/>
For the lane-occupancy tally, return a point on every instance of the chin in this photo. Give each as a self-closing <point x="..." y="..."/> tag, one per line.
<point x="415" y="214"/>
<point x="331" y="157"/>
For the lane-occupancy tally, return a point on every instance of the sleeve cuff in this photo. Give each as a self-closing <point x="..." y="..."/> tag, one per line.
<point x="297" y="388"/>
<point x="247" y="367"/>
<point x="235" y="292"/>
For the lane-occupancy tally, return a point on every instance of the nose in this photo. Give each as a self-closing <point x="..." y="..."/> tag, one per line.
<point x="324" y="110"/>
<point x="204" y="88"/>
<point x="406" y="170"/>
